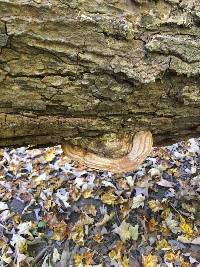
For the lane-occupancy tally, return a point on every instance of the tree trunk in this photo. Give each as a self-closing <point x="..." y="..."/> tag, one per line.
<point x="82" y="68"/>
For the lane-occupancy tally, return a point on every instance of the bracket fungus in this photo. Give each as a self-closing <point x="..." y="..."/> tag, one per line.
<point x="141" y="145"/>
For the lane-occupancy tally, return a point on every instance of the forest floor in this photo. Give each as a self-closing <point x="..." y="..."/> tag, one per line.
<point x="56" y="214"/>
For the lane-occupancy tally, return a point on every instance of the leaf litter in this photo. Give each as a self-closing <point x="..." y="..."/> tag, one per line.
<point x="57" y="214"/>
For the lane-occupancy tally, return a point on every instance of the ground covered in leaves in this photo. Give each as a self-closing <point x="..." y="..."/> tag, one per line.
<point x="55" y="214"/>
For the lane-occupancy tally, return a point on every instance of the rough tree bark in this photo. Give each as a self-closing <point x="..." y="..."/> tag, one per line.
<point x="82" y="68"/>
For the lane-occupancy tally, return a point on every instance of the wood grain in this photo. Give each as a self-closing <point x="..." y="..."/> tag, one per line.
<point x="141" y="147"/>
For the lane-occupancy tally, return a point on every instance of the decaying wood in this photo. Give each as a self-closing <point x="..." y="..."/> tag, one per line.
<point x="71" y="70"/>
<point x="141" y="147"/>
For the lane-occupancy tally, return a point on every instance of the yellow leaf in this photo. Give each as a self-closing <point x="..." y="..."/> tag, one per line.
<point x="163" y="245"/>
<point x="61" y="231"/>
<point x="90" y="209"/>
<point x="77" y="233"/>
<point x="83" y="260"/>
<point x="87" y="193"/>
<point x="185" y="227"/>
<point x="113" y="254"/>
<point x="155" y="205"/>
<point x="188" y="207"/>
<point x="165" y="231"/>
<point x="50" y="155"/>
<point x="109" y="198"/>
<point x="16" y="218"/>
<point x="165" y="213"/>
<point x="57" y="236"/>
<point x="78" y="260"/>
<point x="170" y="256"/>
<point x="184" y="238"/>
<point x="98" y="238"/>
<point x="117" y="253"/>
<point x="149" y="261"/>
<point x="124" y="261"/>
<point x="184" y="263"/>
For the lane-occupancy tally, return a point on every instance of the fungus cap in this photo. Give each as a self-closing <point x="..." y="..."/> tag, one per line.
<point x="141" y="147"/>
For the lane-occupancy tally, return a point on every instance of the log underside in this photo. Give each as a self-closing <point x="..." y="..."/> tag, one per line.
<point x="75" y="70"/>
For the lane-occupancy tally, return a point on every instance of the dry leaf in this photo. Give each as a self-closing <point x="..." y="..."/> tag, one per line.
<point x="163" y="245"/>
<point x="124" y="261"/>
<point x="185" y="227"/>
<point x="155" y="205"/>
<point x="165" y="183"/>
<point x="118" y="255"/>
<point x="109" y="198"/>
<point x="152" y="225"/>
<point x="105" y="219"/>
<point x="83" y="260"/>
<point x="170" y="256"/>
<point x="61" y="231"/>
<point x="188" y="207"/>
<point x="98" y="238"/>
<point x="155" y="172"/>
<point x="138" y="201"/>
<point x="77" y="233"/>
<point x="196" y="241"/>
<point x="172" y="224"/>
<point x="3" y="206"/>
<point x="56" y="256"/>
<point x="87" y="193"/>
<point x="126" y="231"/>
<point x="50" y="155"/>
<point x="149" y="261"/>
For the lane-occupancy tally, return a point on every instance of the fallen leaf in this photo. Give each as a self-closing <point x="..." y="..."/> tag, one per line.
<point x="170" y="256"/>
<point x="130" y="181"/>
<point x="77" y="234"/>
<point x="196" y="241"/>
<point x="56" y="256"/>
<point x="109" y="198"/>
<point x="154" y="172"/>
<point x="163" y="245"/>
<point x="185" y="227"/>
<point x="105" y="219"/>
<point x="155" y="205"/>
<point x="149" y="260"/>
<point x="188" y="240"/>
<point x="108" y="184"/>
<point x="24" y="228"/>
<point x="152" y="225"/>
<point x="87" y="193"/>
<point x="126" y="231"/>
<point x="172" y="224"/>
<point x="3" y="206"/>
<point x="188" y="207"/>
<point x="83" y="259"/>
<point x="61" y="231"/>
<point x="138" y="201"/>
<point x="165" y="183"/>
<point x="50" y="155"/>
<point x="98" y="238"/>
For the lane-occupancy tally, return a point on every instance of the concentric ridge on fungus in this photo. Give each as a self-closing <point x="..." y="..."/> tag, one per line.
<point x="141" y="147"/>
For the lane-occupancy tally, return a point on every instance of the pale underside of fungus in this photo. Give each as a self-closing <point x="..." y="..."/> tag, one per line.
<point x="140" y="146"/>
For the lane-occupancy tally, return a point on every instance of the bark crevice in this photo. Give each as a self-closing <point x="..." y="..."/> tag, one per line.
<point x="100" y="68"/>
